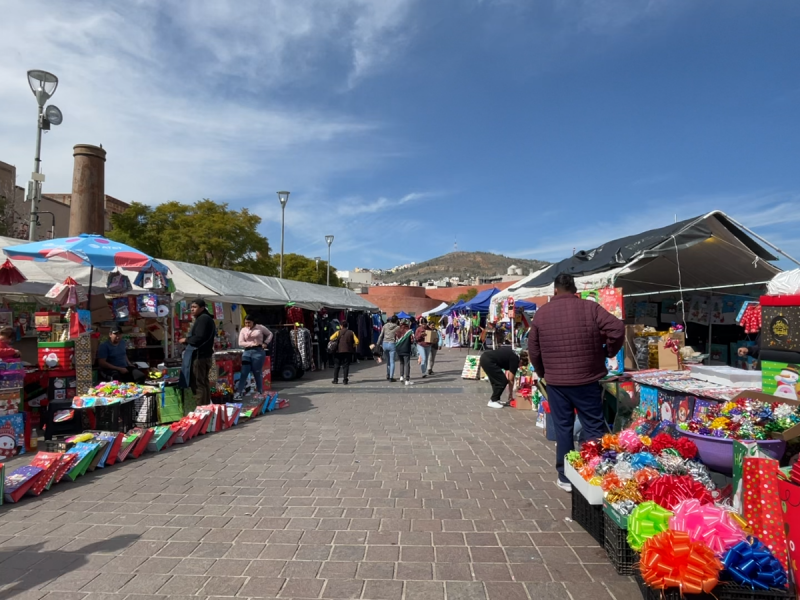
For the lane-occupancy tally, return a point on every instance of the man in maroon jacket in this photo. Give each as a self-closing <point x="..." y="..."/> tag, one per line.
<point x="568" y="344"/>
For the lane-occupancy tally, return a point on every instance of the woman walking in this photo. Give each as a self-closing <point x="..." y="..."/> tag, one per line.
<point x="387" y="340"/>
<point x="404" y="346"/>
<point x="253" y="339"/>
<point x="423" y="347"/>
<point x="344" y="352"/>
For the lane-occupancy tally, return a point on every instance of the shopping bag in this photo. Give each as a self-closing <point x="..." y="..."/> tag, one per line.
<point x="118" y="282"/>
<point x="790" y="505"/>
<point x="761" y="504"/>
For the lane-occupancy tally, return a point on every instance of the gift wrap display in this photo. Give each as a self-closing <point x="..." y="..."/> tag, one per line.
<point x="661" y="502"/>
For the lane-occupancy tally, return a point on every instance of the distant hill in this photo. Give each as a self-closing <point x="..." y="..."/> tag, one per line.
<point x="465" y="265"/>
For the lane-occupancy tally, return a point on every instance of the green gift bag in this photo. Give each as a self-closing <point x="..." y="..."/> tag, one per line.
<point x="170" y="407"/>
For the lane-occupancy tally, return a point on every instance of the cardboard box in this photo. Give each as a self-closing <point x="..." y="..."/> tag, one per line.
<point x="631" y="333"/>
<point x="523" y="403"/>
<point x="432" y="337"/>
<point x="667" y="358"/>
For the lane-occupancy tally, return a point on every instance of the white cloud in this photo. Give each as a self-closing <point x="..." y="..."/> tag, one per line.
<point x="188" y="98"/>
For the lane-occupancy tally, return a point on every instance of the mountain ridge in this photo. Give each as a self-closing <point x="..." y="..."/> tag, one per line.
<point x="462" y="264"/>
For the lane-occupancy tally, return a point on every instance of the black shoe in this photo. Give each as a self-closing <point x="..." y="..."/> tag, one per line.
<point x="393" y="380"/>
<point x="345" y="382"/>
<point x="335" y="381"/>
<point x="388" y="378"/>
<point x="424" y="376"/>
<point x="430" y="372"/>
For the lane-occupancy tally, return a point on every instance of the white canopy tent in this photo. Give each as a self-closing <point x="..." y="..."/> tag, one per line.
<point x="442" y="306"/>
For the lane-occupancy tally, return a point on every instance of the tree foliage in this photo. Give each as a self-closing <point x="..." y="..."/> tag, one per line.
<point x="468" y="295"/>
<point x="301" y="268"/>
<point x="205" y="233"/>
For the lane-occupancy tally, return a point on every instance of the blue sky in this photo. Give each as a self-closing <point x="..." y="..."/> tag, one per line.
<point x="525" y="127"/>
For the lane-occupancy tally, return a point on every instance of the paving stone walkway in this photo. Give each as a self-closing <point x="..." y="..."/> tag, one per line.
<point x="371" y="491"/>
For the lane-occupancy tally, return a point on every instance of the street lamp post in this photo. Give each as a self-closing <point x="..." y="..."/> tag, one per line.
<point x="283" y="197"/>
<point x="43" y="85"/>
<point x="329" y="241"/>
<point x="316" y="262"/>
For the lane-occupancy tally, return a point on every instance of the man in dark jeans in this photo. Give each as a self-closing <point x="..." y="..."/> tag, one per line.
<point x="344" y="352"/>
<point x="568" y="344"/>
<point x="201" y="343"/>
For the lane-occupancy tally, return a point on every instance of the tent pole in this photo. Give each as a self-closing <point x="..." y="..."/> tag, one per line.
<point x="758" y="237"/>
<point x="695" y="289"/>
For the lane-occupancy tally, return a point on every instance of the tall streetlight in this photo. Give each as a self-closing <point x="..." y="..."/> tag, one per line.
<point x="43" y="85"/>
<point x="284" y="198"/>
<point x="329" y="241"/>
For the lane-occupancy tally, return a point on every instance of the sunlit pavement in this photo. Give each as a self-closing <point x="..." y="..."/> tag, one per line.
<point x="373" y="490"/>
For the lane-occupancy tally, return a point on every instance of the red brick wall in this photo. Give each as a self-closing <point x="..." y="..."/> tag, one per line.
<point x="393" y="299"/>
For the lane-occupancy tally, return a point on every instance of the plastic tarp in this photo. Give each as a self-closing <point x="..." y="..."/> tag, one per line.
<point x="245" y="288"/>
<point x="435" y="311"/>
<point x="785" y="284"/>
<point x="709" y="251"/>
<point x="480" y="303"/>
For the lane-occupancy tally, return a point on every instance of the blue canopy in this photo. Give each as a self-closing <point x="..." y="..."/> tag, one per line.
<point x="525" y="305"/>
<point x="403" y="315"/>
<point x="480" y="303"/>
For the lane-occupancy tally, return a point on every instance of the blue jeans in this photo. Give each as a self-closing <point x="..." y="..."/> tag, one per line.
<point x="252" y="362"/>
<point x="424" y="353"/>
<point x="390" y="354"/>
<point x="564" y="400"/>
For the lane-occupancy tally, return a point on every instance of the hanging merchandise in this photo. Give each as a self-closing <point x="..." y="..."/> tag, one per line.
<point x="68" y="293"/>
<point x="147" y="305"/>
<point x="285" y="358"/>
<point x="118" y="282"/>
<point x="219" y="311"/>
<point x="301" y="338"/>
<point x="10" y="275"/>
<point x="152" y="277"/>
<point x="121" y="309"/>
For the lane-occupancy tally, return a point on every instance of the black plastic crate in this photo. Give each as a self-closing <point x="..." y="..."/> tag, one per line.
<point x="621" y="555"/>
<point x="649" y="593"/>
<point x="145" y="411"/>
<point x="588" y="516"/>
<point x="115" y="417"/>
<point x="733" y="591"/>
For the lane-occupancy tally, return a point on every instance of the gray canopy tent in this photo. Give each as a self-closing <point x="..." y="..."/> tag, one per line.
<point x="708" y="252"/>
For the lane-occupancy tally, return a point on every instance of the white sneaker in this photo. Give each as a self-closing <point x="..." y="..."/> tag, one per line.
<point x="401" y="379"/>
<point x="564" y="485"/>
<point x="409" y="382"/>
<point x="493" y="404"/>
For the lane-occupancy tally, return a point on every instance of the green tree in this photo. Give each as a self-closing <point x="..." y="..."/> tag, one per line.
<point x="301" y="268"/>
<point x="205" y="233"/>
<point x="468" y="295"/>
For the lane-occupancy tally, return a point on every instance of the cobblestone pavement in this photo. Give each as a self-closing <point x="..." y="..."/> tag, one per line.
<point x="371" y="491"/>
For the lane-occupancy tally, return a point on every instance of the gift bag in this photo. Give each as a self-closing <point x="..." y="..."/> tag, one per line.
<point x="761" y="504"/>
<point x="118" y="282"/>
<point x="790" y="505"/>
<point x="470" y="370"/>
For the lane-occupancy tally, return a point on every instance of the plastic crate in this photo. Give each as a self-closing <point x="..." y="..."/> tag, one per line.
<point x="621" y="555"/>
<point x="649" y="593"/>
<point x="733" y="591"/>
<point x="145" y="411"/>
<point x="588" y="516"/>
<point x="115" y="417"/>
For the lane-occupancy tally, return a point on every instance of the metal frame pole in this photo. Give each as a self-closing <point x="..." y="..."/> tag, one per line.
<point x="35" y="189"/>
<point x="283" y="219"/>
<point x="329" y="266"/>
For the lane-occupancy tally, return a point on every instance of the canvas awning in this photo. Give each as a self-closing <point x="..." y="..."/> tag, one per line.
<point x="709" y="251"/>
<point x="480" y="303"/>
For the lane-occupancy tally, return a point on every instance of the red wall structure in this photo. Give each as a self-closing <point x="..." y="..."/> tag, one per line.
<point x="392" y="299"/>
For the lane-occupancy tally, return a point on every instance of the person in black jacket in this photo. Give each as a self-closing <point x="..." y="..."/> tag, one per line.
<point x="201" y="343"/>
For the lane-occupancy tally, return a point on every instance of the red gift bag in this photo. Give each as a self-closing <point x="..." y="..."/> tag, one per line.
<point x="790" y="504"/>
<point x="761" y="505"/>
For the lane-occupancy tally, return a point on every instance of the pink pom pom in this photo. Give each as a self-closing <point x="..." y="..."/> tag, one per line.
<point x="629" y="441"/>
<point x="708" y="524"/>
<point x="593" y="462"/>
